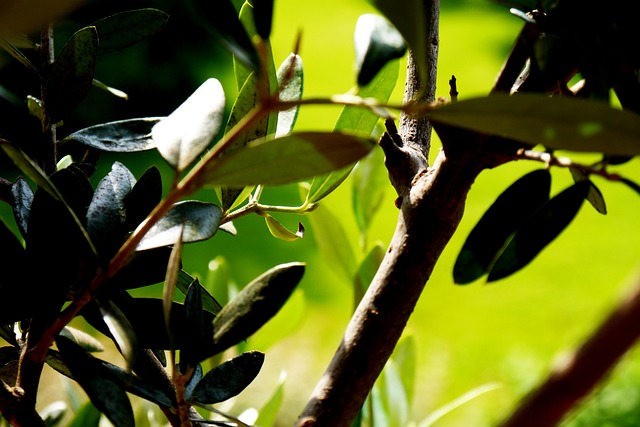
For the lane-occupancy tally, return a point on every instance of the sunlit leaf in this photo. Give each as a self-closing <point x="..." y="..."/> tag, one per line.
<point x="506" y="215"/>
<point x="87" y="416"/>
<point x="594" y="196"/>
<point x="285" y="160"/>
<point x="258" y="302"/>
<point x="368" y="269"/>
<point x="542" y="228"/>
<point x="113" y="91"/>
<point x="125" y="29"/>
<point x="290" y="317"/>
<point x="121" y="330"/>
<point x="404" y="357"/>
<point x="291" y="81"/>
<point x="269" y="411"/>
<point x="376" y="42"/>
<point x="185" y="134"/>
<point x="562" y="123"/>
<point x="22" y="199"/>
<point x="370" y="180"/>
<point x="221" y="19"/>
<point x="281" y="232"/>
<point x="122" y="136"/>
<point x="83" y="339"/>
<point x="228" y="379"/>
<point x="456" y="403"/>
<point x="263" y="16"/>
<point x="393" y="396"/>
<point x="9" y="362"/>
<point x="72" y="74"/>
<point x="53" y="413"/>
<point x="191" y="219"/>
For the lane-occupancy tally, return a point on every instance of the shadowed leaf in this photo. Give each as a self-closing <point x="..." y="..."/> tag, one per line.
<point x="594" y="196"/>
<point x="191" y="354"/>
<point x="87" y="416"/>
<point x="263" y="16"/>
<point x="209" y="303"/>
<point x="122" y="136"/>
<point x="29" y="168"/>
<point x="377" y="42"/>
<point x="83" y="339"/>
<point x="125" y="29"/>
<point x="17" y="54"/>
<point x="22" y="199"/>
<point x="144" y="196"/>
<point x="121" y="331"/>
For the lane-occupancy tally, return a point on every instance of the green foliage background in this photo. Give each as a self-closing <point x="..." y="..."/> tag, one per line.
<point x="507" y="333"/>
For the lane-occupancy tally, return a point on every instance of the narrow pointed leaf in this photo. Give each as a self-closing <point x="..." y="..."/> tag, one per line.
<point x="286" y="160"/>
<point x="173" y="269"/>
<point x="263" y="16"/>
<point x="594" y="196"/>
<point x="53" y="413"/>
<point x="370" y="179"/>
<point x="281" y="232"/>
<point x="291" y="82"/>
<point x="506" y="215"/>
<point x="193" y="382"/>
<point x="269" y="411"/>
<point x="544" y="226"/>
<point x="72" y="74"/>
<point x="191" y="354"/>
<point x="87" y="416"/>
<point x="377" y="42"/>
<point x="121" y="331"/>
<point x="221" y="19"/>
<point x="145" y="268"/>
<point x="258" y="302"/>
<point x="209" y="303"/>
<point x="135" y="385"/>
<point x="634" y="186"/>
<point x="122" y="136"/>
<point x="22" y="199"/>
<point x="113" y="91"/>
<point x="125" y="29"/>
<point x="228" y="379"/>
<point x="83" y="339"/>
<point x="144" y="196"/>
<point x="561" y="123"/>
<point x="185" y="134"/>
<point x="16" y="54"/>
<point x="191" y="219"/>
<point x="29" y="167"/>
<point x="368" y="268"/>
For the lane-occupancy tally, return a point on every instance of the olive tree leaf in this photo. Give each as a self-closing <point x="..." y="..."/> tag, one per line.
<point x="269" y="411"/>
<point x="287" y="159"/>
<point x="143" y="197"/>
<point x="12" y="50"/>
<point x="561" y="123"/>
<point x="113" y="91"/>
<point x="22" y="199"/>
<point x="281" y="232"/>
<point x="145" y="268"/>
<point x="258" y="302"/>
<point x="71" y="76"/>
<point x="367" y="269"/>
<point x="83" y="339"/>
<point x="220" y="18"/>
<point x="29" y="167"/>
<point x="86" y="416"/>
<point x="634" y="186"/>
<point x="122" y="136"/>
<point x="228" y="379"/>
<point x="594" y="196"/>
<point x="185" y="134"/>
<point x="191" y="219"/>
<point x="192" y="353"/>
<point x="542" y="228"/>
<point x="209" y="303"/>
<point x="505" y="216"/>
<point x="135" y="385"/>
<point x="377" y="42"/>
<point x="369" y="184"/>
<point x="54" y="412"/>
<point x="121" y="330"/>
<point x="291" y="81"/>
<point x="173" y="269"/>
<point x="125" y="29"/>
<point x="263" y="16"/>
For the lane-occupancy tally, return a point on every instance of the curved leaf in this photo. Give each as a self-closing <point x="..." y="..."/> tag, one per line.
<point x="285" y="160"/>
<point x="143" y="197"/>
<point x="544" y="226"/>
<point x="505" y="216"/>
<point x="22" y="198"/>
<point x="121" y="331"/>
<point x="209" y="303"/>
<point x="291" y="82"/>
<point x="594" y="196"/>
<point x="72" y="74"/>
<point x="145" y="268"/>
<point x="185" y="134"/>
<point x="258" y="302"/>
<point x="87" y="416"/>
<point x="370" y="180"/>
<point x="17" y="54"/>
<point x="561" y="123"/>
<point x="634" y="186"/>
<point x="191" y="219"/>
<point x="263" y="16"/>
<point x="281" y="232"/>
<point x="125" y="29"/>
<point x="83" y="339"/>
<point x="122" y="136"/>
<point x="377" y="42"/>
<point x="135" y="385"/>
<point x="29" y="167"/>
<point x="228" y="379"/>
<point x="53" y="413"/>
<point x="192" y="353"/>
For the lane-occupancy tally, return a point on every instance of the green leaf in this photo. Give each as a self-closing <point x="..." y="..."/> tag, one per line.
<point x="291" y="82"/>
<point x="209" y="303"/>
<point x="221" y="19"/>
<point x="634" y="186"/>
<point x="404" y="357"/>
<point x="218" y="280"/>
<point x="594" y="196"/>
<point x="285" y="160"/>
<point x="456" y="403"/>
<point x="145" y="268"/>
<point x="17" y="54"/>
<point x="370" y="180"/>
<point x="106" y="395"/>
<point x="258" y="302"/>
<point x="263" y="16"/>
<point x="269" y="411"/>
<point x="191" y="354"/>
<point x="135" y="385"/>
<point x="368" y="269"/>
<point x="122" y="136"/>
<point x="505" y="216"/>
<point x="281" y="232"/>
<point x="83" y="339"/>
<point x="408" y="16"/>
<point x="191" y="219"/>
<point x="559" y="123"/>
<point x="283" y="324"/>
<point x="377" y="42"/>
<point x="121" y="330"/>
<point x="544" y="226"/>
<point x="173" y="269"/>
<point x="71" y="76"/>
<point x="228" y="379"/>
<point x="125" y="29"/>
<point x="53" y="413"/>
<point x="29" y="167"/>
<point x="87" y="416"/>
<point x="143" y="197"/>
<point x="185" y="134"/>
<point x="393" y="396"/>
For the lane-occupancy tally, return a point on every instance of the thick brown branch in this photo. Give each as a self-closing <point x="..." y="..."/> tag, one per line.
<point x="567" y="385"/>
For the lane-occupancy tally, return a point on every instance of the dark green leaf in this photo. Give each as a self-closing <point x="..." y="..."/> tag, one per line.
<point x="505" y="216"/>
<point x="191" y="354"/>
<point x="72" y="74"/>
<point x="29" y="167"/>
<point x="87" y="416"/>
<point x="173" y="269"/>
<point x="83" y="339"/>
<point x="221" y="19"/>
<point x="106" y="215"/>
<point x="17" y="55"/>
<point x="185" y="134"/>
<point x="631" y="184"/>
<point x="281" y="232"/>
<point x="291" y="82"/>
<point x="594" y="196"/>
<point x="145" y="269"/>
<point x="121" y="330"/>
<point x="22" y="199"/>
<point x="377" y="42"/>
<point x="125" y="29"/>
<point x="209" y="303"/>
<point x="105" y="394"/>
<point x="368" y="269"/>
<point x="135" y="385"/>
<point x="228" y="379"/>
<point x="144" y="196"/>
<point x="544" y="226"/>
<point x="122" y="136"/>
<point x="562" y="123"/>
<point x="285" y="160"/>
<point x="258" y="302"/>
<point x="54" y="360"/>
<point x="370" y="179"/>
<point x="9" y="360"/>
<point x="263" y="15"/>
<point x="191" y="219"/>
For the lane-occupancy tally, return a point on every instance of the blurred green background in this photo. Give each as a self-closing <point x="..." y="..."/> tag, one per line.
<point x="508" y="333"/>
